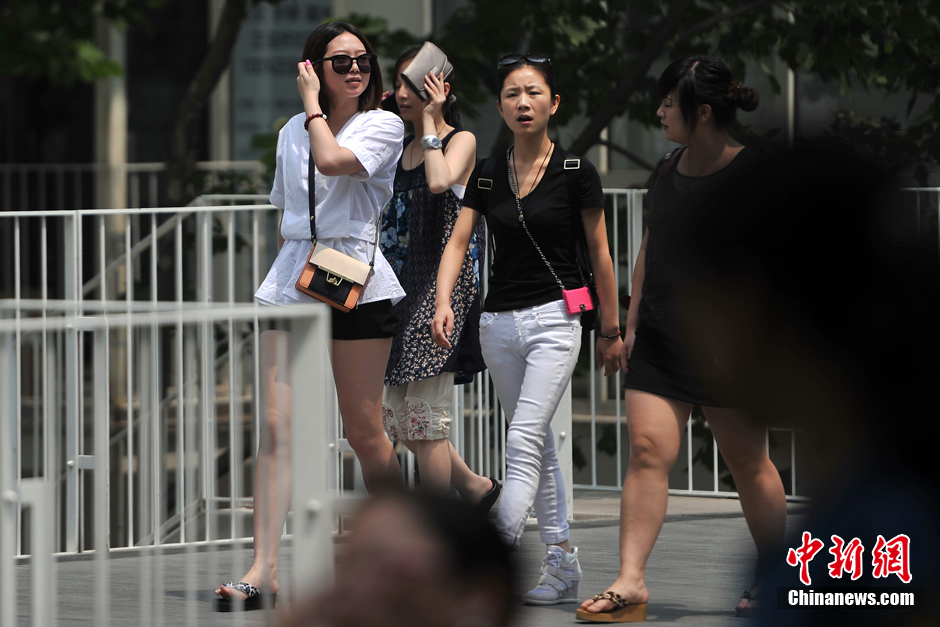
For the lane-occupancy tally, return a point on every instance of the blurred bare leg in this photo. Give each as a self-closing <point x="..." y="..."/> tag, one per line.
<point x="655" y="425"/>
<point x="435" y="464"/>
<point x="469" y="484"/>
<point x="763" y="500"/>
<point x="272" y="481"/>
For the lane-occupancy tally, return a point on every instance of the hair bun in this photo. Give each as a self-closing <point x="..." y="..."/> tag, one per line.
<point x="746" y="98"/>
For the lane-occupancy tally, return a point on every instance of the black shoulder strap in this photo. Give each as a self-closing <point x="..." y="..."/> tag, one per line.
<point x="446" y="139"/>
<point x="572" y="165"/>
<point x="484" y="185"/>
<point x="665" y="164"/>
<point x="485" y="180"/>
<point x="572" y="172"/>
<point x="312" y="198"/>
<point x="312" y="209"/>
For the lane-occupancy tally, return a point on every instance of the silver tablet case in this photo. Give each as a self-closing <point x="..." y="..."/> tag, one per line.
<point x="429" y="58"/>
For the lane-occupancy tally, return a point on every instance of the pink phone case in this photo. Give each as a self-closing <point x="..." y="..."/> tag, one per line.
<point x="578" y="301"/>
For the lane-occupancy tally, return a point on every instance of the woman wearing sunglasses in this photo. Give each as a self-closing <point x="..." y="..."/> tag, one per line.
<point x="429" y="185"/>
<point x="538" y="201"/>
<point x="337" y="157"/>
<point x="700" y="99"/>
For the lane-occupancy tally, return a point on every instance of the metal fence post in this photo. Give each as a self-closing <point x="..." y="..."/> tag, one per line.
<point x="8" y="495"/>
<point x="312" y="562"/>
<point x="102" y="476"/>
<point x="39" y="494"/>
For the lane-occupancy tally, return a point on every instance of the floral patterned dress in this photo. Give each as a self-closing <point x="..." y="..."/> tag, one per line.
<point x="416" y="226"/>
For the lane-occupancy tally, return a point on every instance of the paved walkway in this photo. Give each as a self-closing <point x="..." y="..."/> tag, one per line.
<point x="699" y="567"/>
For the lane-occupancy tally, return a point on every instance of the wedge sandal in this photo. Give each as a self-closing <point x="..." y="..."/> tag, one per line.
<point x="622" y="612"/>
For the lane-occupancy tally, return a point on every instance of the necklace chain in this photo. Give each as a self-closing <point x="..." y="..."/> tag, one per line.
<point x="510" y="165"/>
<point x="515" y="193"/>
<point x="512" y="177"/>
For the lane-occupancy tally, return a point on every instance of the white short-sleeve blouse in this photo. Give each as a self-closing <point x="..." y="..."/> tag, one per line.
<point x="348" y="207"/>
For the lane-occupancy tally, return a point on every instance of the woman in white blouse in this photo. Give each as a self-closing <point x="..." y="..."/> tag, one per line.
<point x="355" y="148"/>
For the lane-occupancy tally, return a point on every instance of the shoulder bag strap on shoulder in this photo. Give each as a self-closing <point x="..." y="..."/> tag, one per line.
<point x="572" y="166"/>
<point x="665" y="164"/>
<point x="484" y="185"/>
<point x="573" y="172"/>
<point x="312" y="209"/>
<point x="312" y="198"/>
<point x="485" y="180"/>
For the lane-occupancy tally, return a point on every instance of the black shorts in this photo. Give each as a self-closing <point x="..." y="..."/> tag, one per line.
<point x="370" y="321"/>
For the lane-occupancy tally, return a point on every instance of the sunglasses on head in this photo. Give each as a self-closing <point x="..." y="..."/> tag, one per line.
<point x="342" y="63"/>
<point x="531" y="57"/>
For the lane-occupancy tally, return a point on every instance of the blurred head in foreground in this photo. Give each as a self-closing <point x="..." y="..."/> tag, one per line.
<point x="814" y="292"/>
<point x="420" y="561"/>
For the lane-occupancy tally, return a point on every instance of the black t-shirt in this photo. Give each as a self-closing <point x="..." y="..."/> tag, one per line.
<point x="520" y="278"/>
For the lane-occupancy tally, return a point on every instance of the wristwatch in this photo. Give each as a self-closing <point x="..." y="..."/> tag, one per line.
<point x="431" y="142"/>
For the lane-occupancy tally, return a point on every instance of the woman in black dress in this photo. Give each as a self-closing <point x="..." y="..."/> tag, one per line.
<point x="699" y="100"/>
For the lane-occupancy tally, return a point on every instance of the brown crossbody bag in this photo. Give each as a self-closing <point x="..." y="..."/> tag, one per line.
<point x="329" y="275"/>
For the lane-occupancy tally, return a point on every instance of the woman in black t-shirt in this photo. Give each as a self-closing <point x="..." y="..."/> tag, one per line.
<point x="662" y="380"/>
<point x="529" y="340"/>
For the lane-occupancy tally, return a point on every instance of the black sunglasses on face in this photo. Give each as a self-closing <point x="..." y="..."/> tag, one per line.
<point x="342" y="63"/>
<point x="531" y="57"/>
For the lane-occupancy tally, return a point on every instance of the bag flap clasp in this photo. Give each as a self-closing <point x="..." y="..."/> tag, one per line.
<point x="339" y="266"/>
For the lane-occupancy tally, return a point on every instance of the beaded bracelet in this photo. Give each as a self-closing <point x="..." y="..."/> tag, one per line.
<point x="314" y="116"/>
<point x="611" y="336"/>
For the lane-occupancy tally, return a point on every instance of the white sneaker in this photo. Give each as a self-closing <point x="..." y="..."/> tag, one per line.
<point x="560" y="579"/>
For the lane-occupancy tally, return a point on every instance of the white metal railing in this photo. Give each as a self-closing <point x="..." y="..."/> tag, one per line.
<point x="178" y="256"/>
<point x="66" y="186"/>
<point x="218" y="251"/>
<point x="215" y="251"/>
<point x="175" y="435"/>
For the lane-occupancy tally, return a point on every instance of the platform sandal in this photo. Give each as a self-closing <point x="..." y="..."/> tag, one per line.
<point x="256" y="600"/>
<point x="622" y="612"/>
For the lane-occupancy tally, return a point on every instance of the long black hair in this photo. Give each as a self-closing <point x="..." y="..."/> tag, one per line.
<point x="450" y="109"/>
<point x="706" y="80"/>
<point x="315" y="48"/>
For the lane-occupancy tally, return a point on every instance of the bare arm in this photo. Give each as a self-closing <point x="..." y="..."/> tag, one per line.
<point x="451" y="261"/>
<point x="633" y="315"/>
<point x="452" y="166"/>
<point x="595" y="229"/>
<point x="456" y="163"/>
<point x="331" y="158"/>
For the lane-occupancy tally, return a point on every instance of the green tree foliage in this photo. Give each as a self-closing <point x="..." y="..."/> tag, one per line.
<point x="603" y="52"/>
<point x="56" y="39"/>
<point x="386" y="43"/>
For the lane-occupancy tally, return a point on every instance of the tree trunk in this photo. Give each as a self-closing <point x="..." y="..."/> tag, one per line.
<point x="617" y="103"/>
<point x="182" y="166"/>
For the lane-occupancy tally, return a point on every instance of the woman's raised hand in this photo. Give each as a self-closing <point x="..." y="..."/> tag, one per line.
<point x="434" y="85"/>
<point x="308" y="83"/>
<point x="442" y="326"/>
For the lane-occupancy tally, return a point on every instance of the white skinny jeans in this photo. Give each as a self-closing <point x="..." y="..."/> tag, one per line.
<point x="531" y="354"/>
